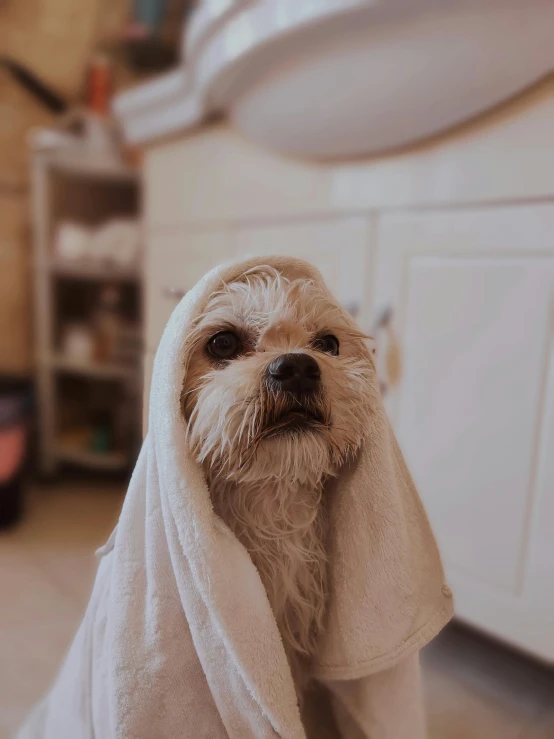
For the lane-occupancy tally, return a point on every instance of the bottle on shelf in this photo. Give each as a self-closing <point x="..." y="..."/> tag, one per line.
<point x="107" y="324"/>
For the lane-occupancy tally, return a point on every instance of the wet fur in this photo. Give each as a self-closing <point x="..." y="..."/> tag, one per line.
<point x="267" y="481"/>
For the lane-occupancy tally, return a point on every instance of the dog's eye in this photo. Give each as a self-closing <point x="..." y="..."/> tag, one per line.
<point x="328" y="344"/>
<point x="224" y="345"/>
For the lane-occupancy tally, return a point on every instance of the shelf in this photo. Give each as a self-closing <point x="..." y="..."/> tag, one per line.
<point x="109" y="462"/>
<point x="74" y="185"/>
<point x="91" y="270"/>
<point x="100" y="370"/>
<point x="78" y="163"/>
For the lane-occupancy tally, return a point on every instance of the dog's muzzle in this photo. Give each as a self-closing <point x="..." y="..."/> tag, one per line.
<point x="298" y="374"/>
<point x="295" y="394"/>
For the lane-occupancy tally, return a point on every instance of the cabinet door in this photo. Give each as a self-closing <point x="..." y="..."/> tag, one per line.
<point x="339" y="247"/>
<point x="176" y="259"/>
<point x="469" y="298"/>
<point x="147" y="368"/>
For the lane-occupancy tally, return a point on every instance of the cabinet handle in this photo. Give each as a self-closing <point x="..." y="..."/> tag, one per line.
<point x="393" y="353"/>
<point x="174" y="293"/>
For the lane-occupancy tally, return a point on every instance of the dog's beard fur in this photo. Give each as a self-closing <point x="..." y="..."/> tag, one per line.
<point x="267" y="479"/>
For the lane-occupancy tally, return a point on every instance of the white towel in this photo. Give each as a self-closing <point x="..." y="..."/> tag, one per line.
<point x="179" y="640"/>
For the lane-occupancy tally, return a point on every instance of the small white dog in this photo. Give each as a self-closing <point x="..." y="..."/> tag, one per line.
<point x="277" y="400"/>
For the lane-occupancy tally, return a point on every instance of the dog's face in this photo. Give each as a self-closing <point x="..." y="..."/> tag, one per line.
<point x="278" y="384"/>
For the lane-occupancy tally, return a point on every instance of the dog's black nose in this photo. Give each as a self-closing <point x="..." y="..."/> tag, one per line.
<point x="295" y="373"/>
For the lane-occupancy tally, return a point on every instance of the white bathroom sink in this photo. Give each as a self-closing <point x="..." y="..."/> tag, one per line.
<point x="342" y="78"/>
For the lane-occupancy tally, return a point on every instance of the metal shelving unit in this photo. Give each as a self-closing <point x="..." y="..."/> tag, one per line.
<point x="68" y="185"/>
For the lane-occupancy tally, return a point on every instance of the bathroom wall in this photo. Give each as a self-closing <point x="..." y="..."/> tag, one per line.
<point x="54" y="39"/>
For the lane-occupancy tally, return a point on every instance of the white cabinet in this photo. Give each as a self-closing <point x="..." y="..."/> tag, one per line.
<point x="148" y="367"/>
<point x="445" y="238"/>
<point x="175" y="260"/>
<point x="340" y="247"/>
<point x="472" y="299"/>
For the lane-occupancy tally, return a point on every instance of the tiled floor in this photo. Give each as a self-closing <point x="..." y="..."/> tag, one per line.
<point x="479" y="690"/>
<point x="475" y="690"/>
<point x="46" y="569"/>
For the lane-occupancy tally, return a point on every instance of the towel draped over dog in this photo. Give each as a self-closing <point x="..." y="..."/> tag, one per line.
<point x="179" y="640"/>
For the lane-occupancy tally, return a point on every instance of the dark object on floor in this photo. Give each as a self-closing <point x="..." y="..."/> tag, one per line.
<point x="15" y="405"/>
